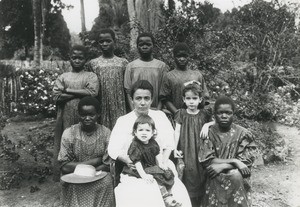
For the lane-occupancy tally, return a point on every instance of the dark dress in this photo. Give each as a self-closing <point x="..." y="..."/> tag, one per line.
<point x="146" y="154"/>
<point x="189" y="143"/>
<point x="173" y="85"/>
<point x="228" y="189"/>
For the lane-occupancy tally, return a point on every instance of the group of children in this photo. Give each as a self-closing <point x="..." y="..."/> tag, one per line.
<point x="182" y="91"/>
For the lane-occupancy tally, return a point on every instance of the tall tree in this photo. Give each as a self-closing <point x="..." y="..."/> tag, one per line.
<point x="38" y="30"/>
<point x="82" y="14"/>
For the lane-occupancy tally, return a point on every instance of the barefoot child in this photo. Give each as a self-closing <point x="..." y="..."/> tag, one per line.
<point x="227" y="155"/>
<point x="189" y="123"/>
<point x="145" y="153"/>
<point x="171" y="91"/>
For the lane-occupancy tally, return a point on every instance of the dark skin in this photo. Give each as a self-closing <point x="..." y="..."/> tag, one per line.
<point x="145" y="48"/>
<point x="181" y="60"/>
<point x="77" y="60"/>
<point x="224" y="119"/>
<point x="107" y="45"/>
<point x="88" y="119"/>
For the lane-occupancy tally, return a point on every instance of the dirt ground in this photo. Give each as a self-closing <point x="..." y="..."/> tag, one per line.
<point x="274" y="185"/>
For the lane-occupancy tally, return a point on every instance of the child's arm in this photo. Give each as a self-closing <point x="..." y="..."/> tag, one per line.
<point x="170" y="106"/>
<point x="205" y="129"/>
<point x="177" y="154"/>
<point x="149" y="178"/>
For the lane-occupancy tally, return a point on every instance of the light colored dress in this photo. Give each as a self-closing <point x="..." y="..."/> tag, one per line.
<point x="173" y="85"/>
<point x="136" y="192"/>
<point x="189" y="143"/>
<point x="152" y="71"/>
<point x="228" y="189"/>
<point x="67" y="113"/>
<point x="110" y="72"/>
<point x="78" y="146"/>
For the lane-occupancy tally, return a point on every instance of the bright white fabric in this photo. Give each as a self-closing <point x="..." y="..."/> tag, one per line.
<point x="135" y="192"/>
<point x="121" y="135"/>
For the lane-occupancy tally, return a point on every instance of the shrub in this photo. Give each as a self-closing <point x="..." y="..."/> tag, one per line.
<point x="36" y="92"/>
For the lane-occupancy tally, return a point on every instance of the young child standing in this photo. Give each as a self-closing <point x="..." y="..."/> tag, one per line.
<point x="145" y="68"/>
<point x="110" y="70"/>
<point x="171" y="91"/>
<point x="144" y="152"/>
<point x="189" y="123"/>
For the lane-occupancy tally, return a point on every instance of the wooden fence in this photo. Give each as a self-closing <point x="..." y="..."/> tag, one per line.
<point x="10" y="80"/>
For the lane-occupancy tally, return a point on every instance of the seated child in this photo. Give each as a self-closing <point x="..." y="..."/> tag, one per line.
<point x="144" y="152"/>
<point x="227" y="156"/>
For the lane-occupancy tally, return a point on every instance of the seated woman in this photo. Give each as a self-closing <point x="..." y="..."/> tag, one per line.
<point x="133" y="191"/>
<point x="86" y="143"/>
<point x="227" y="155"/>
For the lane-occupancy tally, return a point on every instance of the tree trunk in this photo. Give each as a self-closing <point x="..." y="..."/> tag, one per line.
<point x="148" y="13"/>
<point x="37" y="20"/>
<point x="133" y="28"/>
<point x="82" y="14"/>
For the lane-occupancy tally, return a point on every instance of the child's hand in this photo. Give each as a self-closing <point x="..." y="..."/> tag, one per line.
<point x="163" y="166"/>
<point x="178" y="154"/>
<point x="148" y="178"/>
<point x="205" y="129"/>
<point x="244" y="170"/>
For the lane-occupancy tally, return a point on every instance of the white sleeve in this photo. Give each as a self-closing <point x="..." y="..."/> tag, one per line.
<point x="118" y="139"/>
<point x="165" y="132"/>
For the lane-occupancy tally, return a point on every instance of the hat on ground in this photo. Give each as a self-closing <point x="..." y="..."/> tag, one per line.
<point x="83" y="174"/>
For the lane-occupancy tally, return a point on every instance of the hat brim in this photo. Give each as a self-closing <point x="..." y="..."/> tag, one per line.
<point x="77" y="179"/>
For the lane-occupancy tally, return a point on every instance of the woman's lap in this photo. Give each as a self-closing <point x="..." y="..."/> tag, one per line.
<point x="135" y="192"/>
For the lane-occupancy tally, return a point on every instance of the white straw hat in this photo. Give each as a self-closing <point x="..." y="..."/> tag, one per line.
<point x="83" y="174"/>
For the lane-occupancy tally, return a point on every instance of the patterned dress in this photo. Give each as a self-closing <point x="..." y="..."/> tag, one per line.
<point x="228" y="189"/>
<point x="78" y="146"/>
<point x="172" y="87"/>
<point x="110" y="72"/>
<point x="67" y="114"/>
<point x="152" y="71"/>
<point x="189" y="143"/>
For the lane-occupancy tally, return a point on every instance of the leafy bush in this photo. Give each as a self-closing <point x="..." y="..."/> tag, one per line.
<point x="36" y="92"/>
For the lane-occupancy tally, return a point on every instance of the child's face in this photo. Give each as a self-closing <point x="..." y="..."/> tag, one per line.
<point x="144" y="133"/>
<point x="77" y="60"/>
<point x="145" y="46"/>
<point x="106" y="42"/>
<point x="181" y="59"/>
<point x="192" y="100"/>
<point x="224" y="115"/>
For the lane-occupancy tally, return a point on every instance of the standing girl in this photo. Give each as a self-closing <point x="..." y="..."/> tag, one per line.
<point x="110" y="71"/>
<point x="69" y="88"/>
<point x="145" y="154"/>
<point x="189" y="123"/>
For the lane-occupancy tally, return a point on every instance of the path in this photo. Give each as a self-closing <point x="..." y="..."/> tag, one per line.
<point x="278" y="185"/>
